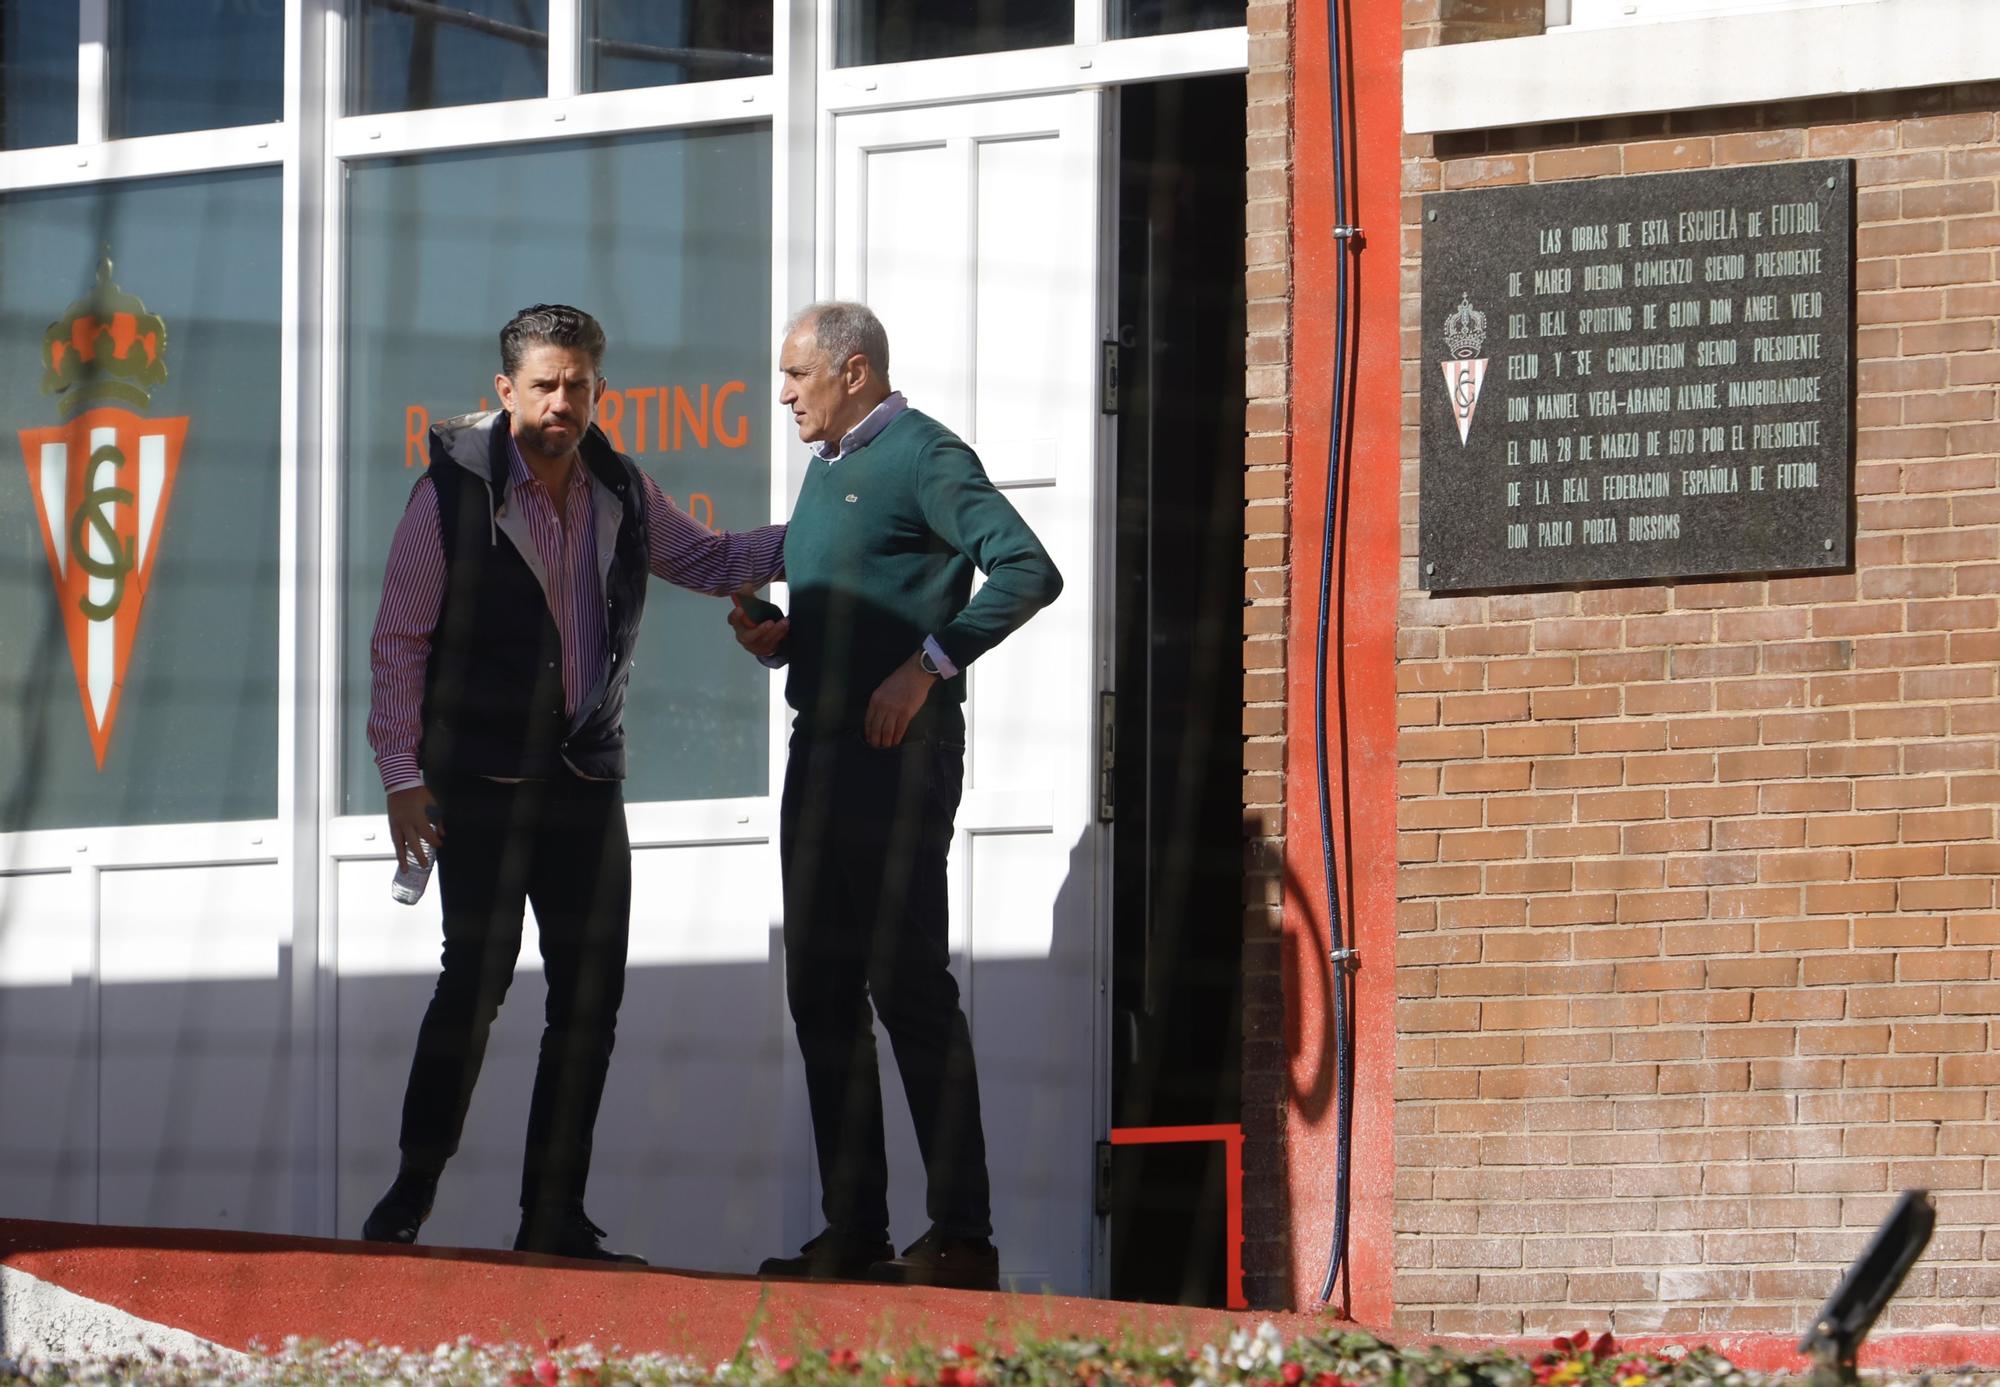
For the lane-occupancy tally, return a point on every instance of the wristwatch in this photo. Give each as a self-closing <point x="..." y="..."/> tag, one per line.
<point x="927" y="664"/>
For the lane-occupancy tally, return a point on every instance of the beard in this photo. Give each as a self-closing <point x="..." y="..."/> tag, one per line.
<point x="552" y="442"/>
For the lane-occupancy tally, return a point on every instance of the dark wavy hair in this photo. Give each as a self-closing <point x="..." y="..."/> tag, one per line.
<point x="554" y="325"/>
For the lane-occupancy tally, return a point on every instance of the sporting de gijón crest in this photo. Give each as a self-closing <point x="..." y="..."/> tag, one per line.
<point x="102" y="480"/>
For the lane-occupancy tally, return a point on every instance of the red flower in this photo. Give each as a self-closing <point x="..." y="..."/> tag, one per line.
<point x="785" y="1364"/>
<point x="1294" y="1375"/>
<point x="545" y="1372"/>
<point x="964" y="1350"/>
<point x="1604" y="1347"/>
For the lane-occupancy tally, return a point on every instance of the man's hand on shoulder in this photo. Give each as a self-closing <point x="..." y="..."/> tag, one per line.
<point x="758" y="632"/>
<point x="413" y="820"/>
<point x="896" y="701"/>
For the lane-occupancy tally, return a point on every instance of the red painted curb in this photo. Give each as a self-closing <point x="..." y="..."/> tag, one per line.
<point x="236" y="1288"/>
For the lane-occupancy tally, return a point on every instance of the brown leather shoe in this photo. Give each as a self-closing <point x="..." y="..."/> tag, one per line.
<point x="831" y="1256"/>
<point x="938" y="1259"/>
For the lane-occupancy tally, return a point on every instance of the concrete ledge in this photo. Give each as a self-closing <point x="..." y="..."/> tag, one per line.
<point x="1691" y="64"/>
<point x="41" y="1319"/>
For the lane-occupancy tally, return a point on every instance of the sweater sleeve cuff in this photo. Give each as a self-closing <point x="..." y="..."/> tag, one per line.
<point x="946" y="669"/>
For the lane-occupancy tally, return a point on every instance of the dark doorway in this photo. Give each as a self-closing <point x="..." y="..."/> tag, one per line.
<point x="1177" y="837"/>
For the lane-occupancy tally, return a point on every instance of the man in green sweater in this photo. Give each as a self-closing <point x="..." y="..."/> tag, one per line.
<point x="894" y="515"/>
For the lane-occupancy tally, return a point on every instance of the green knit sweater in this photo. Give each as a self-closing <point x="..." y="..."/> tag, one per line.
<point x="879" y="554"/>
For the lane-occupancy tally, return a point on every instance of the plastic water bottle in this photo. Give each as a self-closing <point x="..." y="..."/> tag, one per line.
<point x="413" y="874"/>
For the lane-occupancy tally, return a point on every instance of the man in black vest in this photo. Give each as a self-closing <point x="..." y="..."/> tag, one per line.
<point x="501" y="655"/>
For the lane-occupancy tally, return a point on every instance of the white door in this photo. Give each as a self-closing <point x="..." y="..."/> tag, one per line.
<point x="972" y="231"/>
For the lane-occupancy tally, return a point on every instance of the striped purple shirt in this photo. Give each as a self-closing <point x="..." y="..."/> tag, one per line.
<point x="680" y="549"/>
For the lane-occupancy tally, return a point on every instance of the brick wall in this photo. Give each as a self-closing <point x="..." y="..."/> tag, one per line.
<point x="1697" y="922"/>
<point x="1267" y="484"/>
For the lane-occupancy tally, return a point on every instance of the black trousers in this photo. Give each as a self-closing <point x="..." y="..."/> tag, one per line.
<point x="863" y="838"/>
<point x="560" y="843"/>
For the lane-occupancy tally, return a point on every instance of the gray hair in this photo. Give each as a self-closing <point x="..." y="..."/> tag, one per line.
<point x="842" y="329"/>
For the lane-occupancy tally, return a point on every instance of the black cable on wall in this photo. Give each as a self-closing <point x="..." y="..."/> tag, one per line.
<point x="1342" y="957"/>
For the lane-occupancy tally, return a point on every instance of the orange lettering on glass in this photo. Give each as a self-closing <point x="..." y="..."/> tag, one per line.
<point x="680" y="420"/>
<point x="416" y="425"/>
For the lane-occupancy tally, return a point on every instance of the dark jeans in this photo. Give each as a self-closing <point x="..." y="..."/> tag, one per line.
<point x="560" y="843"/>
<point x="863" y="835"/>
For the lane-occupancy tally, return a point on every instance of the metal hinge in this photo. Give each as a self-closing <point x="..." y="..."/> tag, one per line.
<point x="1100" y="1186"/>
<point x="1107" y="385"/>
<point x="1107" y="755"/>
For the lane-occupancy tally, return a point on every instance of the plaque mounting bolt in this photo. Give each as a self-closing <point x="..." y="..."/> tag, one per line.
<point x="1829" y="182"/>
<point x="1430" y="568"/>
<point x="1827" y="545"/>
<point x="1431" y="215"/>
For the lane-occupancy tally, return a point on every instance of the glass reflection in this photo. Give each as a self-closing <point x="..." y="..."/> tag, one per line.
<point x="666" y="238"/>
<point x="38" y="41"/>
<point x="139" y="589"/>
<point x="898" y="31"/>
<point x="195" y="66"/>
<point x="654" y="43"/>
<point x="416" y="55"/>
<point x="1140" y="18"/>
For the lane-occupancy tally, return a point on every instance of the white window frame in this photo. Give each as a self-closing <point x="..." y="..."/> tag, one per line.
<point x="313" y="145"/>
<point x="1739" y="59"/>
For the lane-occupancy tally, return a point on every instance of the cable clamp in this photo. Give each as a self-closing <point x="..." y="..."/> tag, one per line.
<point x="1345" y="957"/>
<point x="1345" y="233"/>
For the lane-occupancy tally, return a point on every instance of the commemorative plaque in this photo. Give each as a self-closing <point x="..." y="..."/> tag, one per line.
<point x="1640" y="377"/>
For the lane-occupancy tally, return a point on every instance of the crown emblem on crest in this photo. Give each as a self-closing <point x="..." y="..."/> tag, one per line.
<point x="105" y="348"/>
<point x="1465" y="329"/>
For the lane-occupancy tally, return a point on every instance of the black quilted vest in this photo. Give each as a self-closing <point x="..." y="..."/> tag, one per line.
<point x="493" y="694"/>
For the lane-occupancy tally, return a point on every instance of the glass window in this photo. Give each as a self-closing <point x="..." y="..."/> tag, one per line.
<point x="38" y="40"/>
<point x="653" y="43"/>
<point x="897" y="31"/>
<point x="414" y="55"/>
<point x="1140" y="18"/>
<point x="666" y="238"/>
<point x="196" y="66"/>
<point x="139" y="535"/>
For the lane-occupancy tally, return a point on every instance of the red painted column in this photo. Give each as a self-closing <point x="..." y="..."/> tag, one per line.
<point x="1365" y="743"/>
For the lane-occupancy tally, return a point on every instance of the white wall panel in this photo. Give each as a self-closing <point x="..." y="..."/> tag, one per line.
<point x="1021" y="708"/>
<point x="1025" y="281"/>
<point x="916" y="280"/>
<point x="194" y="1099"/>
<point x="1032" y="962"/>
<point x="48" y="1073"/>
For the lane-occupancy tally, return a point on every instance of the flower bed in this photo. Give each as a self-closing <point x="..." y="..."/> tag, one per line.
<point x="1244" y="1359"/>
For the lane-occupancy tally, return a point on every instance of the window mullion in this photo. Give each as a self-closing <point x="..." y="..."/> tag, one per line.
<point x="93" y="72"/>
<point x="565" y="48"/>
<point x="1092" y="21"/>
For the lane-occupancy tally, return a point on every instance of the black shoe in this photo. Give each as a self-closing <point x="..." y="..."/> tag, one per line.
<point x="402" y="1211"/>
<point x="831" y="1257"/>
<point x="567" y="1231"/>
<point x="938" y="1259"/>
